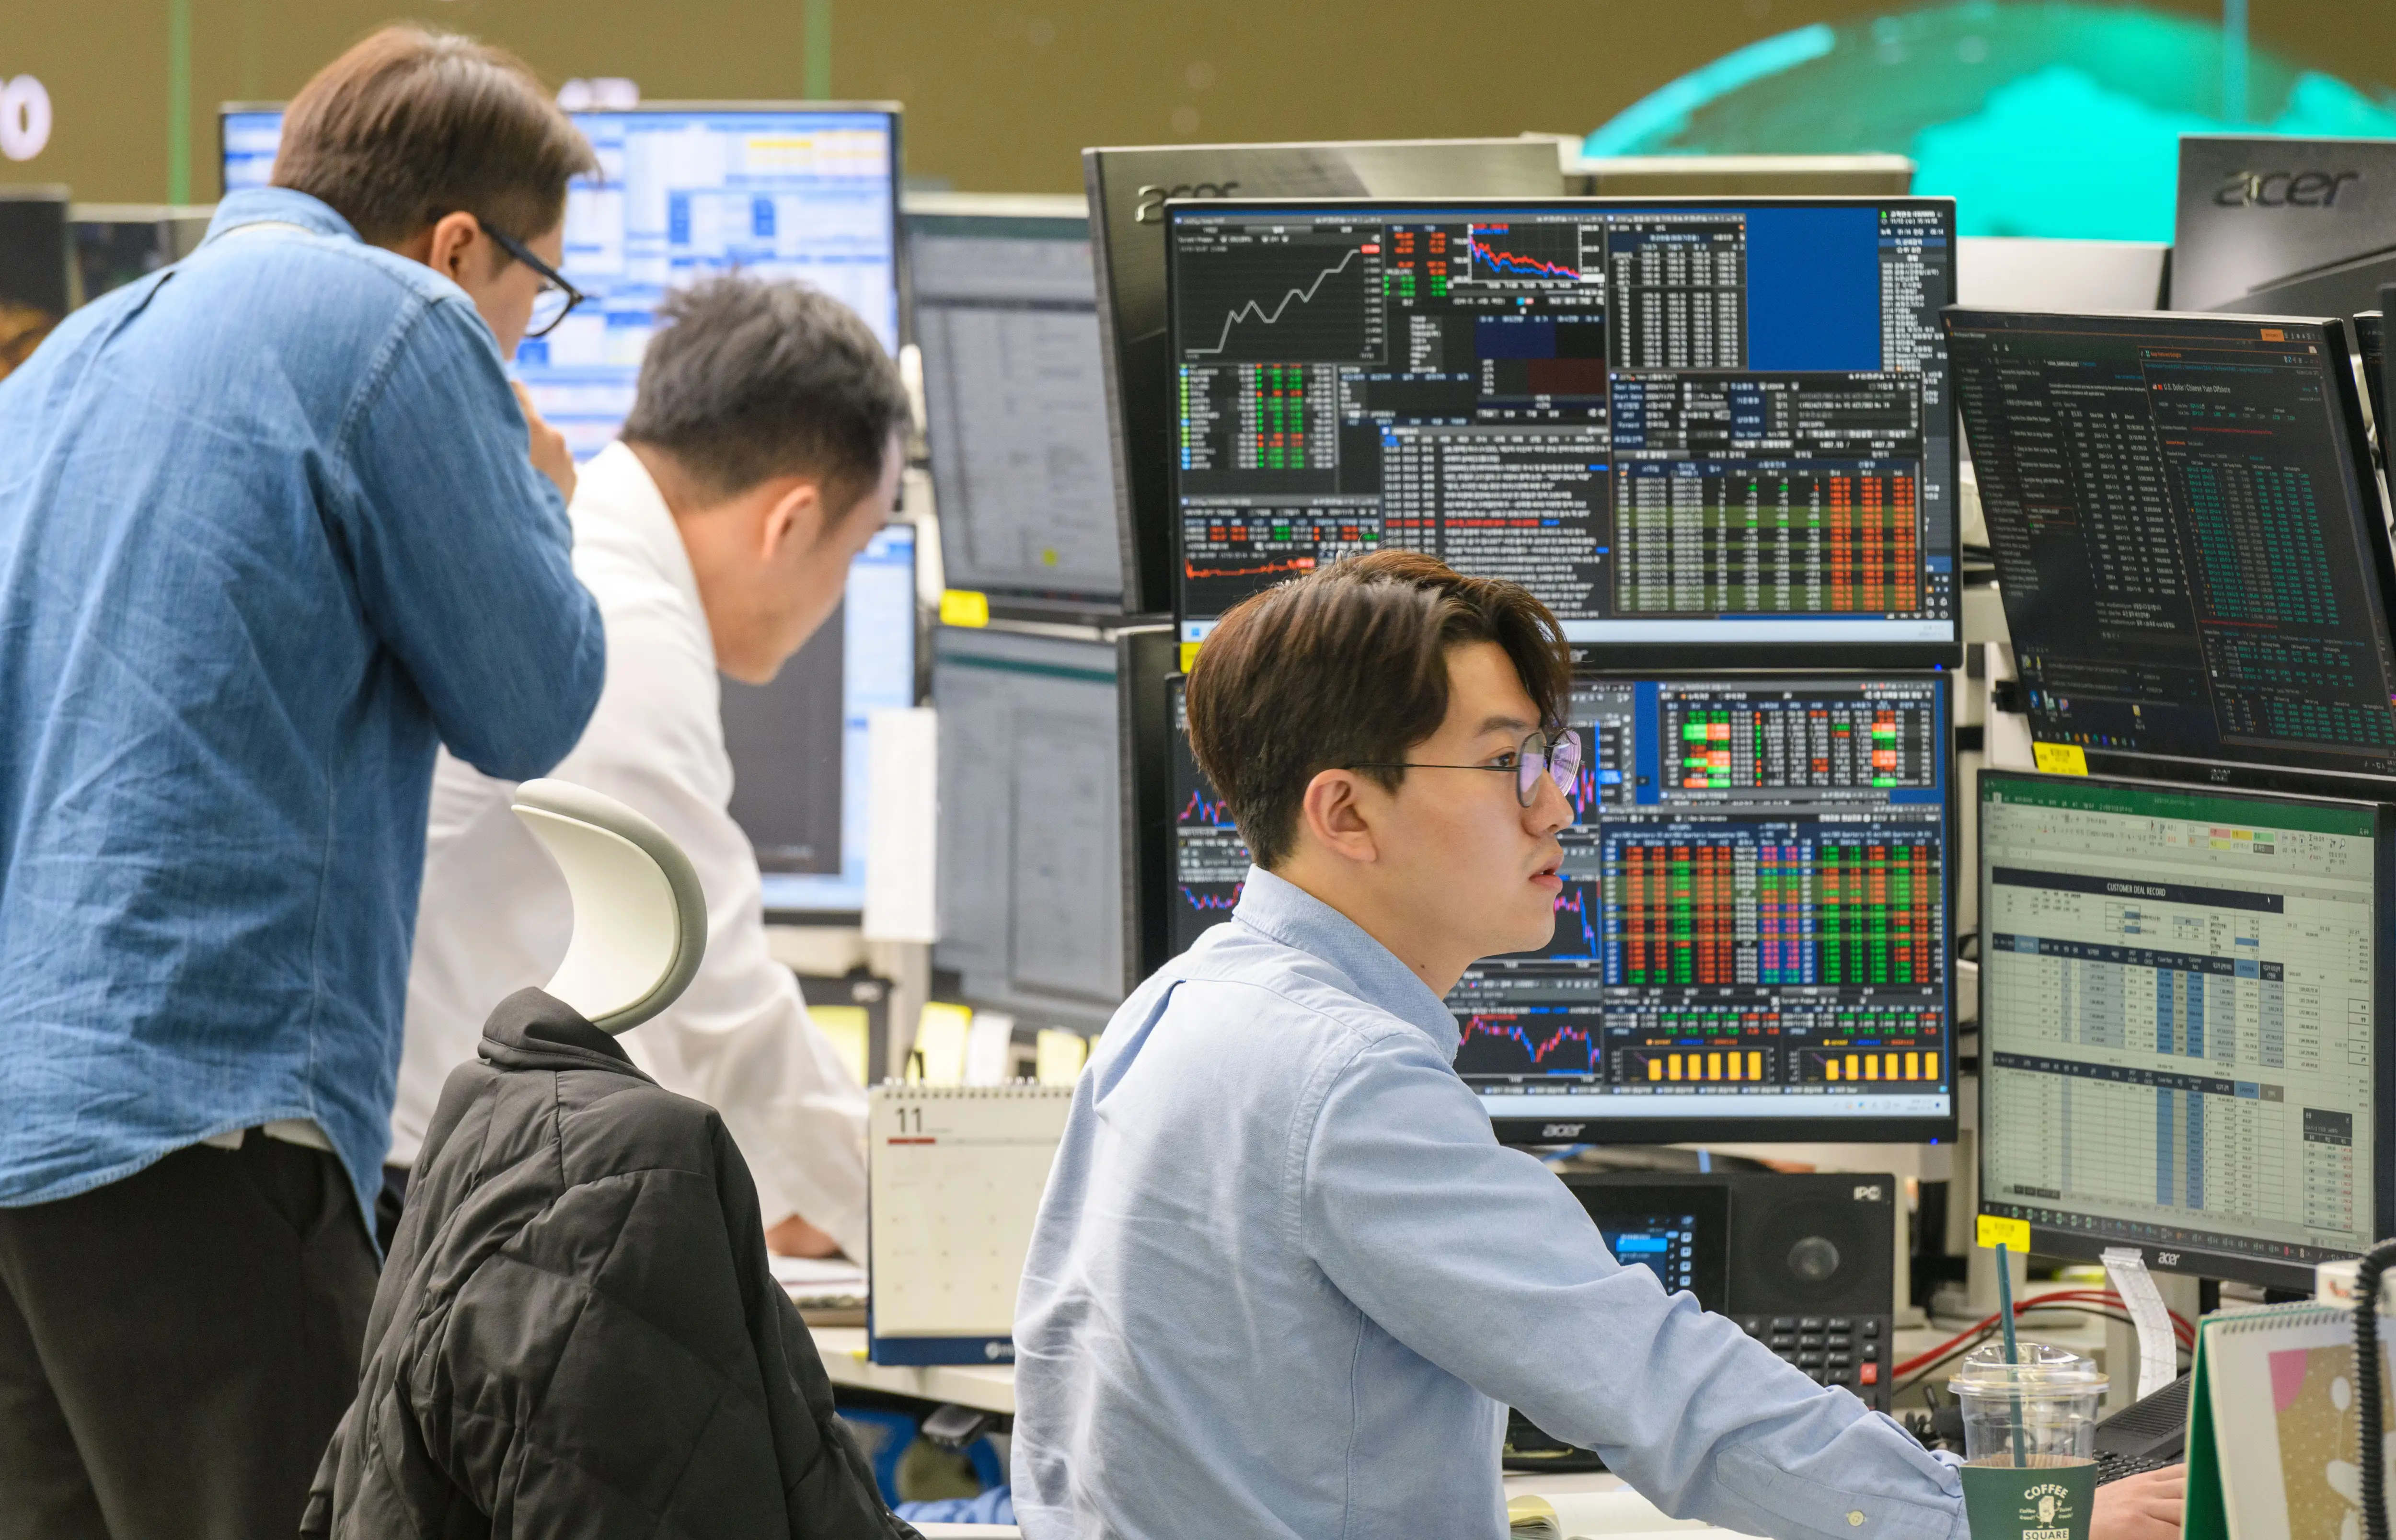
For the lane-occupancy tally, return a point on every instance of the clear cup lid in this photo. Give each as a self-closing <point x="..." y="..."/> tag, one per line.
<point x="2041" y="1370"/>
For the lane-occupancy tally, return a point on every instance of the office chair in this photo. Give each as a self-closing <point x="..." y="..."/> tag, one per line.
<point x="640" y="921"/>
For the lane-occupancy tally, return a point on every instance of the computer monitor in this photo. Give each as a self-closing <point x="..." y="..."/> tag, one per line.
<point x="1005" y="313"/>
<point x="1127" y="188"/>
<point x="249" y="134"/>
<point x="798" y="745"/>
<point x="1697" y="430"/>
<point x="1039" y="748"/>
<point x="2274" y="226"/>
<point x="36" y="284"/>
<point x="116" y="244"/>
<point x="1752" y="939"/>
<point x="2188" y="542"/>
<point x="687" y="190"/>
<point x="2181" y="993"/>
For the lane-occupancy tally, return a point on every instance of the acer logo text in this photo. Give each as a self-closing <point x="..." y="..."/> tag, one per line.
<point x="1150" y="207"/>
<point x="2282" y="189"/>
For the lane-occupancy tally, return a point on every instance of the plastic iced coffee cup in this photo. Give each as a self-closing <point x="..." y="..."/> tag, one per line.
<point x="2029" y="1441"/>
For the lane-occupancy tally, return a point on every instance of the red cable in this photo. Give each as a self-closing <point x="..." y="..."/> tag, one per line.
<point x="2182" y="1332"/>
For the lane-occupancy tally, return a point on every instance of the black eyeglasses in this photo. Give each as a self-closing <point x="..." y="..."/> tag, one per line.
<point x="1555" y="755"/>
<point x="557" y="297"/>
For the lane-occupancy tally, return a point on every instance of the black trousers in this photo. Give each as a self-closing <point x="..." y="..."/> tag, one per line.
<point x="177" y="1347"/>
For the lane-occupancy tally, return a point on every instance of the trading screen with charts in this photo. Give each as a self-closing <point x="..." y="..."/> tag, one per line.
<point x="1678" y="425"/>
<point x="2179" y="1007"/>
<point x="2187" y="535"/>
<point x="1755" y="919"/>
<point x="682" y="195"/>
<point x="1211" y="860"/>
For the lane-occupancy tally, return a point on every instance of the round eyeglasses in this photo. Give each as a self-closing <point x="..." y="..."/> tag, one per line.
<point x="1554" y="756"/>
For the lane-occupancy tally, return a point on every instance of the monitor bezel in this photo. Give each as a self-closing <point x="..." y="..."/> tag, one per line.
<point x="2197" y="1259"/>
<point x="1645" y="656"/>
<point x="1598" y="1128"/>
<point x="2264" y="772"/>
<point x="952" y="216"/>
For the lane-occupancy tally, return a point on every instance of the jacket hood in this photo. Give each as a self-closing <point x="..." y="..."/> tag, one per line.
<point x="532" y="1030"/>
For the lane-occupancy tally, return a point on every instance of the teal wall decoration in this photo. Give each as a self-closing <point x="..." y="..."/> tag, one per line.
<point x="2039" y="118"/>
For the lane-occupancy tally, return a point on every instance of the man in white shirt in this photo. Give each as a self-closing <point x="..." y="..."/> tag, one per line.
<point x="762" y="453"/>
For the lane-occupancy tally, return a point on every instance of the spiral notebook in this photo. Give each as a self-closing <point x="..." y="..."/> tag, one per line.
<point x="955" y="1178"/>
<point x="2271" y="1451"/>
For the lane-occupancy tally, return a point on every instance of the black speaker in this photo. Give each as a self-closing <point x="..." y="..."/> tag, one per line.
<point x="1808" y="1245"/>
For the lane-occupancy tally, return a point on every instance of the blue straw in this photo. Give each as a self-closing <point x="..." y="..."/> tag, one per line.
<point x="2012" y="1349"/>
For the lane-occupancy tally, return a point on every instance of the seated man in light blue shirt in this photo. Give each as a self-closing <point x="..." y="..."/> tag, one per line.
<point x="1285" y="1282"/>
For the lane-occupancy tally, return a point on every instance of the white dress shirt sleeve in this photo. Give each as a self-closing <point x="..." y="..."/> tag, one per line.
<point x="739" y="1038"/>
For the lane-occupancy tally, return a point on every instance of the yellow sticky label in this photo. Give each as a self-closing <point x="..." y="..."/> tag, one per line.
<point x="939" y="1056"/>
<point x="1997" y="1231"/>
<point x="964" y="607"/>
<point x="1061" y="1055"/>
<point x="2060" y="759"/>
<point x="1189" y="655"/>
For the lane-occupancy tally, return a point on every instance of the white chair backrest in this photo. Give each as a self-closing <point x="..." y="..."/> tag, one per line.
<point x="640" y="921"/>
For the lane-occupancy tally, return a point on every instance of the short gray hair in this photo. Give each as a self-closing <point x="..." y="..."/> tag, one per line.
<point x="751" y="378"/>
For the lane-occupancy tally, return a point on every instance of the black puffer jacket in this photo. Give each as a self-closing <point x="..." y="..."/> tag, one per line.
<point x="577" y="1332"/>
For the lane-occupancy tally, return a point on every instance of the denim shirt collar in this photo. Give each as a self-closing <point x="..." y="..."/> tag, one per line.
<point x="277" y="205"/>
<point x="1287" y="913"/>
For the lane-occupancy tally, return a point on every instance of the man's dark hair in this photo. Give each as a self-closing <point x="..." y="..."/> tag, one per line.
<point x="413" y="124"/>
<point x="751" y="378"/>
<point x="1347" y="666"/>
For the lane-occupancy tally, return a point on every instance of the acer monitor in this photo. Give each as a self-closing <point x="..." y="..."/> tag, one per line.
<point x="1004" y="310"/>
<point x="1702" y="432"/>
<point x="2272" y="226"/>
<point x="1753" y="938"/>
<point x="1128" y="188"/>
<point x="685" y="191"/>
<point x="2188" y="542"/>
<point x="2181" y="993"/>
<point x="1041" y="737"/>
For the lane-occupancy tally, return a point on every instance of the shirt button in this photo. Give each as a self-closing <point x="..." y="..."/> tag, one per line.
<point x="1855" y="1519"/>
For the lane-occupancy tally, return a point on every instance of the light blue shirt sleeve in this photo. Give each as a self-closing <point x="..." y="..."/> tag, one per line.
<point x="1478" y="1259"/>
<point x="462" y="552"/>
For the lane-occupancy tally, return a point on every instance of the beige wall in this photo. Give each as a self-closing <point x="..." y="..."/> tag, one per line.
<point x="999" y="96"/>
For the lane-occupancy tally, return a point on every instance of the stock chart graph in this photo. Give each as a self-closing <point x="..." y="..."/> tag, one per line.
<point x="1540" y="253"/>
<point x="1274" y="298"/>
<point x="1211" y="860"/>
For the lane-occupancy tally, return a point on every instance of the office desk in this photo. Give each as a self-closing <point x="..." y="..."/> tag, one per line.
<point x="990" y="1387"/>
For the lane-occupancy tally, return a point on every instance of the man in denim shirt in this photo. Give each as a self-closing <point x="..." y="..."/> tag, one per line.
<point x="270" y="531"/>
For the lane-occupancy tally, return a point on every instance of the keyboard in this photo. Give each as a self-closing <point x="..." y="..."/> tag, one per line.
<point x="2113" y="1468"/>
